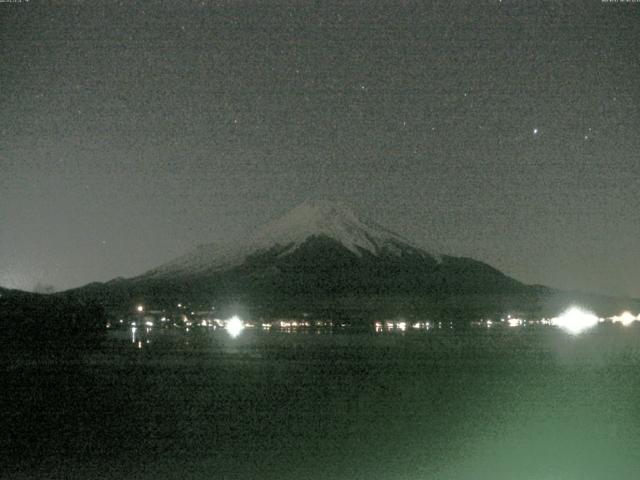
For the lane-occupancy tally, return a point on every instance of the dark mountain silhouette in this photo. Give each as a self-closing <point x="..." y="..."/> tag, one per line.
<point x="323" y="258"/>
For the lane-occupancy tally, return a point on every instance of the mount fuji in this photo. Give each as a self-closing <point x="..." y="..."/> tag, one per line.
<point x="318" y="256"/>
<point x="330" y="222"/>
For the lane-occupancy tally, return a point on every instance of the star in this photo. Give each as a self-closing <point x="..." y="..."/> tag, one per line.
<point x="535" y="131"/>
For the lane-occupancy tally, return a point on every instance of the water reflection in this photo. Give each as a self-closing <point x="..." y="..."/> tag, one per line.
<point x="385" y="401"/>
<point x="574" y="321"/>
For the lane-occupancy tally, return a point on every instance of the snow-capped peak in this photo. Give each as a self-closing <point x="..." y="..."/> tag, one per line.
<point x="321" y="218"/>
<point x="333" y="220"/>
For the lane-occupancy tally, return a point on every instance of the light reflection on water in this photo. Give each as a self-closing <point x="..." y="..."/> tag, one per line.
<point x="308" y="401"/>
<point x="238" y="332"/>
<point x="495" y="402"/>
<point x="574" y="320"/>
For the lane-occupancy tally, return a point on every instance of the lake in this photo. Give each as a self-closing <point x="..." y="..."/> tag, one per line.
<point x="500" y="403"/>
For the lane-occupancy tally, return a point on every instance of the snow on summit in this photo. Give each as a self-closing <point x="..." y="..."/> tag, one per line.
<point x="322" y="218"/>
<point x="333" y="220"/>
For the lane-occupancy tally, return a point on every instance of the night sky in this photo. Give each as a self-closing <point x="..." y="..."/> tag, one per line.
<point x="505" y="131"/>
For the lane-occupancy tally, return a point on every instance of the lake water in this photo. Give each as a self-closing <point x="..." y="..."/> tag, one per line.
<point x="501" y="403"/>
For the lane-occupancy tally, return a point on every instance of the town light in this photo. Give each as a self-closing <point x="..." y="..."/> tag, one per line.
<point x="514" y="322"/>
<point x="575" y="320"/>
<point x="625" y="319"/>
<point x="234" y="326"/>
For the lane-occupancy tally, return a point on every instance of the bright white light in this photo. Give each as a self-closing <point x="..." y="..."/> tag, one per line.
<point x="234" y="326"/>
<point x="514" y="322"/>
<point x="133" y="334"/>
<point x="140" y="308"/>
<point x="575" y="320"/>
<point x="625" y="319"/>
<point x="149" y="323"/>
<point x="402" y="326"/>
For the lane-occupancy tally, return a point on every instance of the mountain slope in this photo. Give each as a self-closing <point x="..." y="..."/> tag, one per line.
<point x="322" y="258"/>
<point x="317" y="254"/>
<point x="331" y="220"/>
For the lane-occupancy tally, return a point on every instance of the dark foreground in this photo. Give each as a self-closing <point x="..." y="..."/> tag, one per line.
<point x="478" y="404"/>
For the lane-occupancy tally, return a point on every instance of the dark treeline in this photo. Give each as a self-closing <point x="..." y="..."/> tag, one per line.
<point x="48" y="324"/>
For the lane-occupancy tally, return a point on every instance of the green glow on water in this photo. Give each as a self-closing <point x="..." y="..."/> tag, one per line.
<point x="485" y="404"/>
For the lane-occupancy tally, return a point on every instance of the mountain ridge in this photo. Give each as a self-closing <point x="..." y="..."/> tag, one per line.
<point x="323" y="259"/>
<point x="310" y="219"/>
